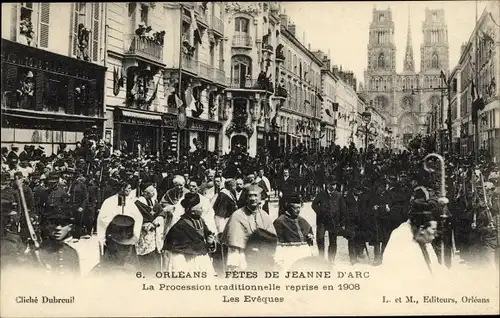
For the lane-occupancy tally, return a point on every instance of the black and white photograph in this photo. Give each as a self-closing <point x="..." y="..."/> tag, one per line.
<point x="250" y="158"/>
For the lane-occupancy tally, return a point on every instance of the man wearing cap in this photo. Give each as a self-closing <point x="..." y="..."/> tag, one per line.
<point x="295" y="235"/>
<point x="189" y="241"/>
<point x="55" y="253"/>
<point x="250" y="235"/>
<point x="11" y="245"/>
<point x="56" y="196"/>
<point x="30" y="203"/>
<point x="8" y="193"/>
<point x="120" y="239"/>
<point x="13" y="156"/>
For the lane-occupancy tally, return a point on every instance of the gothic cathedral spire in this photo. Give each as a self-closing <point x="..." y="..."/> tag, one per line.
<point x="409" y="64"/>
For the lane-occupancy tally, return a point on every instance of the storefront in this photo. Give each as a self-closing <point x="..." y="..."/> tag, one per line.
<point x="170" y="138"/>
<point x="47" y="98"/>
<point x="133" y="127"/>
<point x="199" y="131"/>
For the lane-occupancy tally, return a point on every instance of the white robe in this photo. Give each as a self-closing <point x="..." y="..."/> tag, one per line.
<point x="404" y="261"/>
<point x="110" y="209"/>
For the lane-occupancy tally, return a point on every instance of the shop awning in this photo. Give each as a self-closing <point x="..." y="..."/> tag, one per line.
<point x="141" y="115"/>
<point x="42" y="115"/>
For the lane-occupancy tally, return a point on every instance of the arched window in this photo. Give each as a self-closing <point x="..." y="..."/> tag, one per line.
<point x="381" y="61"/>
<point x="241" y="25"/>
<point x="435" y="61"/>
<point x="241" y="67"/>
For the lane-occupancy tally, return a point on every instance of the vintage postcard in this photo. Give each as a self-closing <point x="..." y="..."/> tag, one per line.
<point x="170" y="159"/>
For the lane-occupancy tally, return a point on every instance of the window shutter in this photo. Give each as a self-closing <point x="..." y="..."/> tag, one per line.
<point x="44" y="24"/>
<point x="39" y="89"/>
<point x="15" y="21"/>
<point x="95" y="32"/>
<point x="74" y="28"/>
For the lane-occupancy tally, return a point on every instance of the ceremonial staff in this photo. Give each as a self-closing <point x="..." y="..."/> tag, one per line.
<point x="443" y="200"/>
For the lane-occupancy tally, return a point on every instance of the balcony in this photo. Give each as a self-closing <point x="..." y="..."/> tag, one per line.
<point x="206" y="71"/>
<point x="242" y="41"/>
<point x="217" y="26"/>
<point x="143" y="47"/>
<point x="189" y="64"/>
<point x="220" y="76"/>
<point x="247" y="84"/>
<point x="201" y="16"/>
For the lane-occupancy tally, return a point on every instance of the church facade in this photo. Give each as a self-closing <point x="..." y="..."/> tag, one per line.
<point x="409" y="101"/>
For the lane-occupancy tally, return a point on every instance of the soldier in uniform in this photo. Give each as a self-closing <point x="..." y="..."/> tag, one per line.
<point x="12" y="247"/>
<point x="57" y="195"/>
<point x="55" y="253"/>
<point x="79" y="197"/>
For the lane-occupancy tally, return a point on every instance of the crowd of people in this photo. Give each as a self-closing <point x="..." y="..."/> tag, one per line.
<point x="210" y="212"/>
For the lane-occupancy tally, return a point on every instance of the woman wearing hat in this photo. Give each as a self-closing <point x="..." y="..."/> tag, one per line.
<point x="189" y="240"/>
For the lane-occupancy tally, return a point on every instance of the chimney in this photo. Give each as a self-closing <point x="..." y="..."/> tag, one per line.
<point x="326" y="62"/>
<point x="309" y="46"/>
<point x="284" y="20"/>
<point x="291" y="28"/>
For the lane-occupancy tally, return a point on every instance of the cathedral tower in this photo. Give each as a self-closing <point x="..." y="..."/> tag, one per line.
<point x="379" y="76"/>
<point x="435" y="50"/>
<point x="381" y="47"/>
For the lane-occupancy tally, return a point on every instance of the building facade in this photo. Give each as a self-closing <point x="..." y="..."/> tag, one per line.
<point x="349" y="109"/>
<point x="165" y="76"/>
<point x="478" y="68"/>
<point x="53" y="74"/>
<point x="301" y="76"/>
<point x="330" y="106"/>
<point x="407" y="98"/>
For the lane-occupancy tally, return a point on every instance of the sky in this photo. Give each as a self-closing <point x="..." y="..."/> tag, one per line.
<point x="342" y="28"/>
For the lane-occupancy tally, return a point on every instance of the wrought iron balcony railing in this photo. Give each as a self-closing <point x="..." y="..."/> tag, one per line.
<point x="206" y="70"/>
<point x="217" y="25"/>
<point x="189" y="63"/>
<point x="143" y="46"/>
<point x="242" y="40"/>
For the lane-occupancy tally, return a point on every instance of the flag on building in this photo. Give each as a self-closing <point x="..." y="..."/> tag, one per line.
<point x="178" y="101"/>
<point x="197" y="33"/>
<point x="155" y="92"/>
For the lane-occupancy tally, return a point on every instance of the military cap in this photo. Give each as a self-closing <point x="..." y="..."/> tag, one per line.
<point x="8" y="207"/>
<point x="53" y="176"/>
<point x="18" y="174"/>
<point x="63" y="214"/>
<point x="294" y="199"/>
<point x="5" y="177"/>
